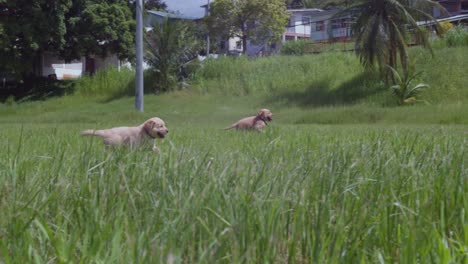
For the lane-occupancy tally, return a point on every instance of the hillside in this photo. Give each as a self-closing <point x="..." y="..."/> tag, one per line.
<point x="329" y="88"/>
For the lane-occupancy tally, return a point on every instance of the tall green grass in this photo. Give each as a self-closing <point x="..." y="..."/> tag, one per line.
<point x="108" y="84"/>
<point x="457" y="36"/>
<point x="307" y="46"/>
<point x="297" y="194"/>
<point x="334" y="78"/>
<point x="241" y="76"/>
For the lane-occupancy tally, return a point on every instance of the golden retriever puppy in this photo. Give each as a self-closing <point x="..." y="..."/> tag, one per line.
<point x="131" y="136"/>
<point x="257" y="122"/>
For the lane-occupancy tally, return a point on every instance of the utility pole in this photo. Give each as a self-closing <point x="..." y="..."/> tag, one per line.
<point x="207" y="13"/>
<point x="139" y="57"/>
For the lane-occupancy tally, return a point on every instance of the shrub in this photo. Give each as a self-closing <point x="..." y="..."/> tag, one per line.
<point x="109" y="83"/>
<point x="295" y="47"/>
<point x="404" y="89"/>
<point x="457" y="36"/>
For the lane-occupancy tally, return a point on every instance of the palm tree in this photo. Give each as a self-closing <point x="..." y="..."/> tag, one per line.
<point x="169" y="47"/>
<point x="381" y="31"/>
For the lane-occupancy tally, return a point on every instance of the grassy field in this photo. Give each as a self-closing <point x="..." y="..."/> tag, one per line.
<point x="358" y="181"/>
<point x="297" y="193"/>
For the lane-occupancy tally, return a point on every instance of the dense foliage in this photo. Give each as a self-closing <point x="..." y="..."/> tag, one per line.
<point x="100" y="28"/>
<point x="29" y="27"/>
<point x="69" y="29"/>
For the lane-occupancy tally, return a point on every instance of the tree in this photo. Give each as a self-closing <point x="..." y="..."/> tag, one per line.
<point x="256" y="20"/>
<point x="66" y="28"/>
<point x="381" y="31"/>
<point x="155" y="4"/>
<point x="28" y="28"/>
<point x="99" y="28"/>
<point x="169" y="47"/>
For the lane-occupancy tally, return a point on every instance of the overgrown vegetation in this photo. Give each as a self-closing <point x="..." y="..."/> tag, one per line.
<point x="295" y="47"/>
<point x="306" y="46"/>
<point x="456" y="36"/>
<point x="326" y="79"/>
<point x="332" y="78"/>
<point x="107" y="84"/>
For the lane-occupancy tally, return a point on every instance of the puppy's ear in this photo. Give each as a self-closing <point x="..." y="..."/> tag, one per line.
<point x="261" y="113"/>
<point x="149" y="125"/>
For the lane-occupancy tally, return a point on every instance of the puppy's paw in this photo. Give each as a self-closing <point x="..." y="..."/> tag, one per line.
<point x="156" y="149"/>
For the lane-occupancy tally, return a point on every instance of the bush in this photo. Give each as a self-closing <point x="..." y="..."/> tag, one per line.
<point x="457" y="36"/>
<point x="109" y="83"/>
<point x="404" y="89"/>
<point x="295" y="47"/>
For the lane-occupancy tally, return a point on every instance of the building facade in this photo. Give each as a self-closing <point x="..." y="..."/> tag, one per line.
<point x="453" y="7"/>
<point x="299" y="25"/>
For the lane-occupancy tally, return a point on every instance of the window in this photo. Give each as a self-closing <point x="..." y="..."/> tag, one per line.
<point x="239" y="44"/>
<point x="335" y="24"/>
<point x="319" y="26"/>
<point x="464" y="6"/>
<point x="344" y="23"/>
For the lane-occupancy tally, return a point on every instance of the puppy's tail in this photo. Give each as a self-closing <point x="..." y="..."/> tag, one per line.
<point x="230" y="127"/>
<point x="90" y="132"/>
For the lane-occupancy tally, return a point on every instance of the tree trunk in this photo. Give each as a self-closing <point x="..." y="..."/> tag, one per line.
<point x="244" y="38"/>
<point x="244" y="44"/>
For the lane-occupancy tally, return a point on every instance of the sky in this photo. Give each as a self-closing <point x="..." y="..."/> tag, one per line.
<point x="187" y="7"/>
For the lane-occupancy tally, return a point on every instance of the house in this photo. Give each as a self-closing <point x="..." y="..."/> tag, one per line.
<point x="325" y="26"/>
<point x="306" y="23"/>
<point x="453" y="7"/>
<point x="316" y="24"/>
<point x="56" y="68"/>
<point x="299" y="26"/>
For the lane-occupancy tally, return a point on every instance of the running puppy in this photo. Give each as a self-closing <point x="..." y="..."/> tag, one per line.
<point x="257" y="122"/>
<point x="131" y="136"/>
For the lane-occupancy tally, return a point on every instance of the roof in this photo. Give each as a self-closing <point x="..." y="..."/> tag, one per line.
<point x="449" y="19"/>
<point x="305" y="10"/>
<point x="171" y="15"/>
